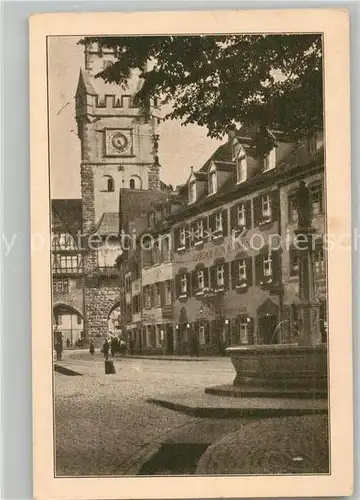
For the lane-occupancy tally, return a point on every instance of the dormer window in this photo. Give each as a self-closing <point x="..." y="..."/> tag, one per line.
<point x="212" y="182"/>
<point x="269" y="161"/>
<point x="241" y="170"/>
<point x="192" y="192"/>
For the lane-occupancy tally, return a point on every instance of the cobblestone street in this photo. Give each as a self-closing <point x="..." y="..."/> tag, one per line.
<point x="104" y="424"/>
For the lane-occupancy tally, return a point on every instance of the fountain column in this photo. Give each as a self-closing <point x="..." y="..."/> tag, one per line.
<point x="308" y="308"/>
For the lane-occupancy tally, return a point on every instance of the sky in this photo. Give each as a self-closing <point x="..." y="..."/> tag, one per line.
<point x="180" y="147"/>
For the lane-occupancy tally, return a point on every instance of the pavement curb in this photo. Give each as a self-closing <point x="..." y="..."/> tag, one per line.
<point x="223" y="412"/>
<point x="66" y="371"/>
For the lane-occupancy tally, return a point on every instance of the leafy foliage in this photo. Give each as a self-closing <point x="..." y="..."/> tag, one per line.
<point x="271" y="81"/>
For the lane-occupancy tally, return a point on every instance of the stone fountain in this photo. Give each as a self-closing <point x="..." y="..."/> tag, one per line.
<point x="283" y="370"/>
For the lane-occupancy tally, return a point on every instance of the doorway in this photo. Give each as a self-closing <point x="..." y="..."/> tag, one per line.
<point x="169" y="340"/>
<point x="267" y="326"/>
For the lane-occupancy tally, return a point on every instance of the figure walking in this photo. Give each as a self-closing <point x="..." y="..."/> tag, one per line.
<point x="106" y="348"/>
<point x="58" y="349"/>
<point x="92" y="347"/>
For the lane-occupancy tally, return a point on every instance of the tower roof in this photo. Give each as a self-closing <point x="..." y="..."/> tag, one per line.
<point x="85" y="85"/>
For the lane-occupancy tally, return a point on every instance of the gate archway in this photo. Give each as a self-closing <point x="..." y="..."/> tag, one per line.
<point x="68" y="325"/>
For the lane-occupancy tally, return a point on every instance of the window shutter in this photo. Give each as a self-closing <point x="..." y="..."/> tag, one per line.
<point x="213" y="277"/>
<point x="187" y="236"/>
<point x="205" y="226"/>
<point x="275" y="205"/>
<point x="206" y="277"/>
<point x="251" y="331"/>
<point x="177" y="238"/>
<point x="249" y="271"/>
<point x="257" y="210"/>
<point x="259" y="274"/>
<point x="225" y="219"/>
<point x="233" y="266"/>
<point x="233" y="217"/>
<point x="212" y="222"/>
<point x="189" y="283"/>
<point x="177" y="285"/>
<point x="194" y="280"/>
<point x="276" y="263"/>
<point x="248" y="215"/>
<point x="162" y="293"/>
<point x="226" y="275"/>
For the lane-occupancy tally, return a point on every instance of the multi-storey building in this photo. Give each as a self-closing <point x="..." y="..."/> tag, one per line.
<point x="229" y="274"/>
<point x="119" y="144"/>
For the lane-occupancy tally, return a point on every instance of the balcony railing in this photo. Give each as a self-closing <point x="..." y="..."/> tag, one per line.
<point x="110" y="271"/>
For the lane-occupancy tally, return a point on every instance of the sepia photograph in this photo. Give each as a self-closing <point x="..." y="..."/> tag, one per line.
<point x="189" y="254"/>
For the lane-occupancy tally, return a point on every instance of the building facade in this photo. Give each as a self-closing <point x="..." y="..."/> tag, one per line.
<point x="222" y="264"/>
<point x="118" y="155"/>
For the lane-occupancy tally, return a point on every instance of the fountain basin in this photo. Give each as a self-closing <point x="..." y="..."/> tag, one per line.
<point x="280" y="367"/>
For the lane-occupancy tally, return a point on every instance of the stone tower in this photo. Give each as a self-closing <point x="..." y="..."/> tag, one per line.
<point x="118" y="152"/>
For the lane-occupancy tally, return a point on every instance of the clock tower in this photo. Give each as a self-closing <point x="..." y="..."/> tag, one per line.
<point x="118" y="153"/>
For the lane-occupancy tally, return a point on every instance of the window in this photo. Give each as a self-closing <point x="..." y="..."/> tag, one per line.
<point x="156" y="252"/>
<point x="293" y="214"/>
<point x="136" y="304"/>
<point x="110" y="184"/>
<point x="78" y="319"/>
<point x="127" y="283"/>
<point x="244" y="331"/>
<point x="58" y="320"/>
<point x="311" y="144"/>
<point x="212" y="182"/>
<point x="319" y="262"/>
<point x="267" y="266"/>
<point x="183" y="284"/>
<point x="147" y="296"/>
<point x="316" y="199"/>
<point x="132" y="183"/>
<point x="241" y="220"/>
<point x="168" y="293"/>
<point x="200" y="279"/>
<point x="220" y="276"/>
<point x="192" y="191"/>
<point x="69" y="263"/>
<point x="219" y="222"/>
<point x="266" y="206"/>
<point x="202" y="335"/>
<point x="199" y="230"/>
<point x="241" y="170"/>
<point x="241" y="270"/>
<point x="294" y="264"/>
<point x="165" y="242"/>
<point x="182" y="237"/>
<point x="61" y="286"/>
<point x="269" y="161"/>
<point x="157" y="295"/>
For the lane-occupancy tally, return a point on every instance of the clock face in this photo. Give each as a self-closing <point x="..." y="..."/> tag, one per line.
<point x="119" y="141"/>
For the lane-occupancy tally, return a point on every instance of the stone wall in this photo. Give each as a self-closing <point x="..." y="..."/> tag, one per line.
<point x="99" y="302"/>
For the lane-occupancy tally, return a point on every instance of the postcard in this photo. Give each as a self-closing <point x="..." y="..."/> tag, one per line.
<point x="191" y="254"/>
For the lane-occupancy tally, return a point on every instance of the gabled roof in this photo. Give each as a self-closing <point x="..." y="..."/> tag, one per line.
<point x="108" y="224"/>
<point x="67" y="215"/>
<point x="226" y="166"/>
<point x="84" y="84"/>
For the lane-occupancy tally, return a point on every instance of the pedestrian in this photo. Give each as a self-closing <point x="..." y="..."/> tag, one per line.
<point x="58" y="349"/>
<point x="122" y="347"/>
<point x="68" y="343"/>
<point x="92" y="347"/>
<point x="113" y="346"/>
<point x="106" y="348"/>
